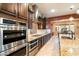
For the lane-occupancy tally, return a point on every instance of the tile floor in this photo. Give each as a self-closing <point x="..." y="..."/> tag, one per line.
<point x="68" y="47"/>
<point x="51" y="48"/>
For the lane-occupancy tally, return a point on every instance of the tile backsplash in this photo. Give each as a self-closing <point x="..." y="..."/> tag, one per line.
<point x="43" y="31"/>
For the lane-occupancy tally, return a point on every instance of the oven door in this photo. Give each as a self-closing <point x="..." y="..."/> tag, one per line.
<point x="10" y="36"/>
<point x="33" y="47"/>
<point x="13" y="38"/>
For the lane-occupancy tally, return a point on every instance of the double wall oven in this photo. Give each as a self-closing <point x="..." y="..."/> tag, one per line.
<point x="12" y="36"/>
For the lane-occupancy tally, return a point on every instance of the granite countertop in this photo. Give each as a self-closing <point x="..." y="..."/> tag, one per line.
<point x="35" y="36"/>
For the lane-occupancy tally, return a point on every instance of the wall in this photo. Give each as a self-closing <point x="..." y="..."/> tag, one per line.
<point x="65" y="20"/>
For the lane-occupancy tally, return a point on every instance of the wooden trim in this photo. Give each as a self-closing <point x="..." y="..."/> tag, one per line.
<point x="8" y="12"/>
<point x="24" y="18"/>
<point x="63" y="17"/>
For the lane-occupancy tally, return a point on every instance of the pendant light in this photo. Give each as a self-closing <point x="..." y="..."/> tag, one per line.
<point x="71" y="18"/>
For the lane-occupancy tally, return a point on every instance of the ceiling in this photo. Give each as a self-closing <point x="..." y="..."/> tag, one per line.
<point x="60" y="8"/>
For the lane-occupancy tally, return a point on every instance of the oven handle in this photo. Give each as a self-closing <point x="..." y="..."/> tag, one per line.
<point x="33" y="43"/>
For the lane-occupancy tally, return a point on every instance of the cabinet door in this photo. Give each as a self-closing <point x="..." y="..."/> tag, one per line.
<point x="39" y="26"/>
<point x="29" y="21"/>
<point x="39" y="43"/>
<point x="9" y="8"/>
<point x="22" y="10"/>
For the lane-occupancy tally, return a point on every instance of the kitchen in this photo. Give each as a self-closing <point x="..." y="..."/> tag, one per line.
<point x="38" y="29"/>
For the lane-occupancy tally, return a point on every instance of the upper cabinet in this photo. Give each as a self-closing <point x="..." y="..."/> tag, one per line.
<point x="9" y="8"/>
<point x="31" y="15"/>
<point x="15" y="9"/>
<point x="31" y="7"/>
<point x="22" y="10"/>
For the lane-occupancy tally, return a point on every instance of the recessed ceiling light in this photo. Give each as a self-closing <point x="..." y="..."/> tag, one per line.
<point x="53" y="10"/>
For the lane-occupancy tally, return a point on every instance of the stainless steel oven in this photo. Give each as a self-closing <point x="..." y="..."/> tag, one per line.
<point x="33" y="47"/>
<point x="11" y="38"/>
<point x="22" y="26"/>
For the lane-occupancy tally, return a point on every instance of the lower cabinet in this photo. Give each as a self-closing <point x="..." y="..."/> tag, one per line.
<point x="40" y="43"/>
<point x="36" y="45"/>
<point x="20" y="52"/>
<point x="46" y="38"/>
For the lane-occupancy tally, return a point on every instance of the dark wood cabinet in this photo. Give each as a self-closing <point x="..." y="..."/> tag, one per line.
<point x="29" y="20"/>
<point x="31" y="14"/>
<point x="9" y="8"/>
<point x="44" y="23"/>
<point x="22" y="10"/>
<point x="43" y="40"/>
<point x="39" y="43"/>
<point x="39" y="24"/>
